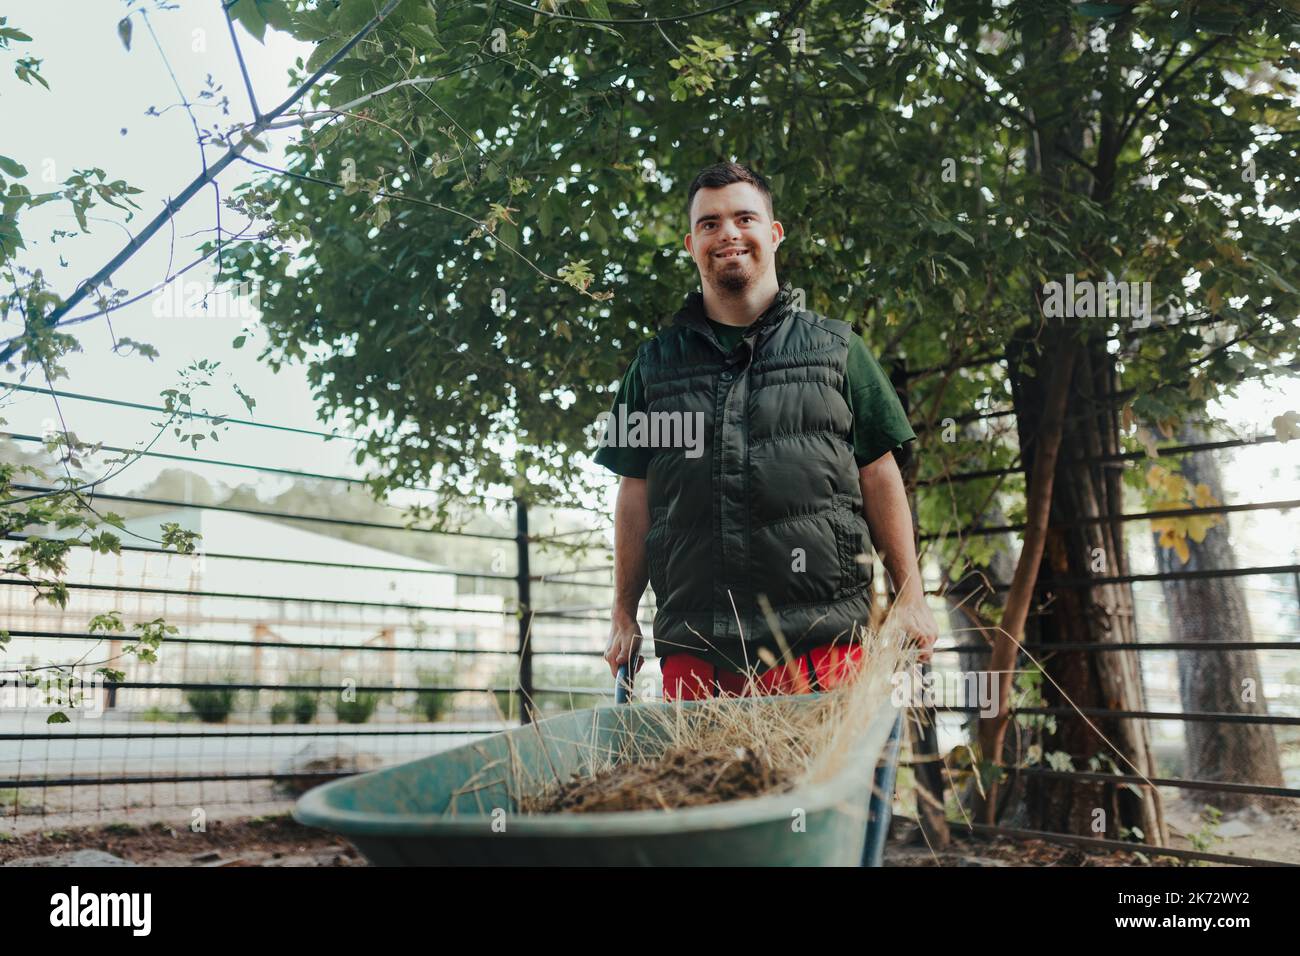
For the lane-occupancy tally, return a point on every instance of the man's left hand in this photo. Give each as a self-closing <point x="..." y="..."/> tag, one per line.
<point x="918" y="623"/>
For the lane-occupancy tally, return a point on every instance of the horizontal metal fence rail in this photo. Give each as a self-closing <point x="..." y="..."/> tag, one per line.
<point x="525" y="611"/>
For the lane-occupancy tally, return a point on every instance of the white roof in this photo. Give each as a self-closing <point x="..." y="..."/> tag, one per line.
<point x="225" y="532"/>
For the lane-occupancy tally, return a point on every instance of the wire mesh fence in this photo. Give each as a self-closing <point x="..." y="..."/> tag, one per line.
<point x="311" y="645"/>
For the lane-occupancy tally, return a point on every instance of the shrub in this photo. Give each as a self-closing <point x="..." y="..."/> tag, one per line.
<point x="356" y="711"/>
<point x="434" y="705"/>
<point x="303" y="705"/>
<point x="297" y="706"/>
<point x="213" y="705"/>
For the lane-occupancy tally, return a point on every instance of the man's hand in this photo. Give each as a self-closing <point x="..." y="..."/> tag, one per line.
<point x="918" y="624"/>
<point x="624" y="643"/>
<point x="884" y="505"/>
<point x="631" y="524"/>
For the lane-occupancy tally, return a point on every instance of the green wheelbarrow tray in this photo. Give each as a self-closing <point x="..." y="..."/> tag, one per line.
<point x="455" y="807"/>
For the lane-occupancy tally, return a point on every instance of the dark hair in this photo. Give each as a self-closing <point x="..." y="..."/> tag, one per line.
<point x="724" y="174"/>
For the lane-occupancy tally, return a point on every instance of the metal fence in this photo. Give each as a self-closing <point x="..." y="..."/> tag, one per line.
<point x="292" y="667"/>
<point x="1280" y="637"/>
<point x="299" y="671"/>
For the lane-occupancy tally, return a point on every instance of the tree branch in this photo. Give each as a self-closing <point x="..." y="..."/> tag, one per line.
<point x="203" y="179"/>
<point x="1161" y="90"/>
<point x="239" y="55"/>
<point x="1015" y="612"/>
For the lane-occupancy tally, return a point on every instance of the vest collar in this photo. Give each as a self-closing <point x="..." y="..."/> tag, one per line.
<point x="692" y="316"/>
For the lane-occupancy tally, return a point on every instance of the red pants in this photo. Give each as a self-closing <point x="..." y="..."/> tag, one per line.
<point x="689" y="678"/>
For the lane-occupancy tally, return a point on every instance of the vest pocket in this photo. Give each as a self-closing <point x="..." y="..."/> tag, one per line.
<point x="854" y="539"/>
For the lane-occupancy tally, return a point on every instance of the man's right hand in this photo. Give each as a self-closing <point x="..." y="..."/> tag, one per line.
<point x="624" y="643"/>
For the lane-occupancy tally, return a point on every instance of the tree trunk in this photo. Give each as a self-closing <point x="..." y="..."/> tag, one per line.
<point x="1214" y="609"/>
<point x="963" y="597"/>
<point x="1057" y="360"/>
<point x="1092" y="614"/>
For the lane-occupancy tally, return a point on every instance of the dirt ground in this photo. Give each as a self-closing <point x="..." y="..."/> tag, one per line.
<point x="1266" y="834"/>
<point x="279" y="841"/>
<point x="260" y="841"/>
<point x="906" y="847"/>
<point x="275" y="839"/>
<point x="682" y="778"/>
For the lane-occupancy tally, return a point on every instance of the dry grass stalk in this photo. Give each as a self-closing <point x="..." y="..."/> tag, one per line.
<point x="725" y="747"/>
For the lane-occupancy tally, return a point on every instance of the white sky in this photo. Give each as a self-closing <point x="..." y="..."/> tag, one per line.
<point x="96" y="117"/>
<point x="80" y="123"/>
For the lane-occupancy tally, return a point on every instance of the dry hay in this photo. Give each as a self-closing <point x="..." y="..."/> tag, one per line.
<point x="729" y="748"/>
<point x="680" y="778"/>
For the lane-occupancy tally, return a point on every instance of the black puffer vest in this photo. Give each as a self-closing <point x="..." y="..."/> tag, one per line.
<point x="773" y="505"/>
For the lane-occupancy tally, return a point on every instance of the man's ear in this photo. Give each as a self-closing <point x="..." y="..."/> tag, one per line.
<point x="688" y="245"/>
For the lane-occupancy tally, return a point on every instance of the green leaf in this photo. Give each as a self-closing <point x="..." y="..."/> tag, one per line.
<point x="249" y="13"/>
<point x="1099" y="10"/>
<point x="545" y="215"/>
<point x="852" y="70"/>
<point x="324" y="50"/>
<point x="276" y="13"/>
<point x="124" y="31"/>
<point x="248" y="400"/>
<point x="1274" y="276"/>
<point x="58" y="717"/>
<point x="12" y="167"/>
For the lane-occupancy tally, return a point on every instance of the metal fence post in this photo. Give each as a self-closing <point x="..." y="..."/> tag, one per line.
<point x="522" y="580"/>
<point x="922" y="735"/>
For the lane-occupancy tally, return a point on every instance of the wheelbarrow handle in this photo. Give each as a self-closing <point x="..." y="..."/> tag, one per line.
<point x="623" y="683"/>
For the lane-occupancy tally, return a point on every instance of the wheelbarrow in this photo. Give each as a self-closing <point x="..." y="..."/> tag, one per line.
<point x="459" y="807"/>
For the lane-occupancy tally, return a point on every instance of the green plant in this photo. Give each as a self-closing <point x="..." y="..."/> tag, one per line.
<point x="299" y="707"/>
<point x="14" y="800"/>
<point x="158" y="715"/>
<point x="434" y="705"/>
<point x="1205" y="838"/>
<point x="358" y="710"/>
<point x="304" y="705"/>
<point x="213" y="705"/>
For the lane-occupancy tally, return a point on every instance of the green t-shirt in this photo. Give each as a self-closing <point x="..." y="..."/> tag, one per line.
<point x="879" y="422"/>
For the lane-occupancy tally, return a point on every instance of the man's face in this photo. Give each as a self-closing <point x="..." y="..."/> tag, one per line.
<point x="732" y="239"/>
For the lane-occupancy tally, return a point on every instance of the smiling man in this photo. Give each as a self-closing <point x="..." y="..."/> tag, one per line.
<point x="761" y="534"/>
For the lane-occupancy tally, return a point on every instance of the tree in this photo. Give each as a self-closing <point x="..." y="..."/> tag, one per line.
<point x="1212" y="609"/>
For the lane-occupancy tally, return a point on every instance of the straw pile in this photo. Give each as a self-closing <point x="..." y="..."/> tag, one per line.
<point x="730" y="748"/>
